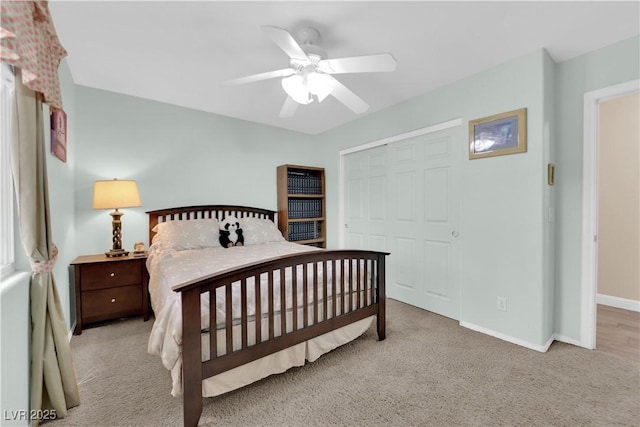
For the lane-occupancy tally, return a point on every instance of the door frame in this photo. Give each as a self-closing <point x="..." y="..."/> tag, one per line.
<point x="590" y="206"/>
<point x="342" y="163"/>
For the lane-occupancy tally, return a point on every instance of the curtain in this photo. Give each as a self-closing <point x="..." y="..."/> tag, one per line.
<point x="28" y="41"/>
<point x="53" y="378"/>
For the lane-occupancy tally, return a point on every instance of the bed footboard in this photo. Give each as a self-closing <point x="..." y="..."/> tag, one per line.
<point x="326" y="290"/>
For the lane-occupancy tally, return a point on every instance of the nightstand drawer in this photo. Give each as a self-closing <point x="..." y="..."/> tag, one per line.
<point x="110" y="274"/>
<point x="110" y="303"/>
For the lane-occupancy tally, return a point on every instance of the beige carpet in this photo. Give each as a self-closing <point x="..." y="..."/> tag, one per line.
<point x="428" y="372"/>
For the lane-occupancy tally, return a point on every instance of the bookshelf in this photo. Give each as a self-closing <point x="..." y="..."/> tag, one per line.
<point x="301" y="204"/>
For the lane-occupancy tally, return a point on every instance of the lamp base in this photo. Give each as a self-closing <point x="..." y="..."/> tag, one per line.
<point x="116" y="253"/>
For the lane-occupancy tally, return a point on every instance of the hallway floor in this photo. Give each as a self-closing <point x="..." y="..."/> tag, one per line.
<point x="618" y="332"/>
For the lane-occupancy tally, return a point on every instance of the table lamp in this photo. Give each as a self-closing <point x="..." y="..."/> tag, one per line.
<point x="116" y="194"/>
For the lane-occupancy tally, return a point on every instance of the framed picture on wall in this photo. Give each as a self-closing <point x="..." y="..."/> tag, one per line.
<point x="59" y="134"/>
<point x="497" y="135"/>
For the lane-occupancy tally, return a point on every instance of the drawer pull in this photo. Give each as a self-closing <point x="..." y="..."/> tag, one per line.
<point x="113" y="275"/>
<point x="113" y="300"/>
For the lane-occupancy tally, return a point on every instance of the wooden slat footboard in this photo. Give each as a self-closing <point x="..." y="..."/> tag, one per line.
<point x="328" y="290"/>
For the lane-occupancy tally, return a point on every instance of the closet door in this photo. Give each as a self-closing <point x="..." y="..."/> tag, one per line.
<point x="404" y="198"/>
<point x="424" y="229"/>
<point x="366" y="194"/>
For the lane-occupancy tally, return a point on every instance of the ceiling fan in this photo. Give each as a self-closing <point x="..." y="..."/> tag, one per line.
<point x="308" y="77"/>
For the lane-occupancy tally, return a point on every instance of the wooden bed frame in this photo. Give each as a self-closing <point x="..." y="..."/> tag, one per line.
<point x="367" y="279"/>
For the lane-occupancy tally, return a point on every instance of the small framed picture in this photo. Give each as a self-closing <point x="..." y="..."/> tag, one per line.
<point x="498" y="135"/>
<point x="59" y="134"/>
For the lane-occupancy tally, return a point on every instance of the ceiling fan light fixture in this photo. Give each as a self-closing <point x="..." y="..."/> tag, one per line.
<point x="296" y="87"/>
<point x="309" y="76"/>
<point x="319" y="84"/>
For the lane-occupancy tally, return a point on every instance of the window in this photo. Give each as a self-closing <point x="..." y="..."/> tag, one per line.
<point x="6" y="182"/>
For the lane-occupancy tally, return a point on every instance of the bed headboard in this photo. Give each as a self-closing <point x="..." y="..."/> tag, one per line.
<point x="207" y="211"/>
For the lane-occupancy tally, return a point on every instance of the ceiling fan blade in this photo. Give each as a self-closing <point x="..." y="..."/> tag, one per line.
<point x="289" y="108"/>
<point x="262" y="76"/>
<point x="359" y="64"/>
<point x="348" y="98"/>
<point x="286" y="42"/>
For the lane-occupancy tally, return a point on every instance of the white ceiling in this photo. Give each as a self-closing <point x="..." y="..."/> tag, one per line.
<point x="181" y="52"/>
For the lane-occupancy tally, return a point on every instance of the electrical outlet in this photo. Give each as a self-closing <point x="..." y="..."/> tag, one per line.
<point x="502" y="304"/>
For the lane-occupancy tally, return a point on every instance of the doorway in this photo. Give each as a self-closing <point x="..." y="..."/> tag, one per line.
<point x="592" y="101"/>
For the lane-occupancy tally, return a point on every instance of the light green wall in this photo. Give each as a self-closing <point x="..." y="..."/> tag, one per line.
<point x="178" y="156"/>
<point x="502" y="222"/>
<point x="14" y="347"/>
<point x="605" y="67"/>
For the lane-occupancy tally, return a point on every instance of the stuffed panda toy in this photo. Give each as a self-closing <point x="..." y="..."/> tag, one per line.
<point x="230" y="232"/>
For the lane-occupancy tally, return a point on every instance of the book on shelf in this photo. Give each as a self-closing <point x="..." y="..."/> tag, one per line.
<point x="307" y="230"/>
<point x="301" y="182"/>
<point x="304" y="208"/>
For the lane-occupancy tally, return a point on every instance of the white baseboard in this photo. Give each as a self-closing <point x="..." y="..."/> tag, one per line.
<point x="70" y="334"/>
<point x="568" y="340"/>
<point x="626" y="304"/>
<point x="508" y="338"/>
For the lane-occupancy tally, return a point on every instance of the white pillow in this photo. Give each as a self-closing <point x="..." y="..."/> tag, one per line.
<point x="258" y="230"/>
<point x="187" y="234"/>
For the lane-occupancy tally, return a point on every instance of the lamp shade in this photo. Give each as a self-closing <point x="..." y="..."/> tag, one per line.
<point x="115" y="194"/>
<point x="296" y="88"/>
<point x="319" y="84"/>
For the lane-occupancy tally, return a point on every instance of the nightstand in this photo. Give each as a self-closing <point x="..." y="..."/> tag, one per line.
<point x="109" y="288"/>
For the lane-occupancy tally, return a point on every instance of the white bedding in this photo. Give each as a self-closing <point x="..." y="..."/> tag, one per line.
<point x="168" y="268"/>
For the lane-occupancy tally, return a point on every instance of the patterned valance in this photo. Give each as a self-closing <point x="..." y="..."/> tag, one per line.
<point x="28" y="40"/>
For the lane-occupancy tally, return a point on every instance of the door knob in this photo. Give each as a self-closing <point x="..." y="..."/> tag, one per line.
<point x="454" y="233"/>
